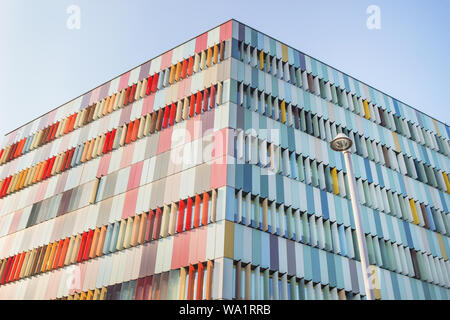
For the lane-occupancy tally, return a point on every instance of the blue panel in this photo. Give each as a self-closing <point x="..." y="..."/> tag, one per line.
<point x="395" y="286"/>
<point x="315" y="264"/>
<point x="397" y="110"/>
<point x="235" y="53"/>
<point x="380" y="175"/>
<point x="302" y="62"/>
<point x="347" y="84"/>
<point x="331" y="270"/>
<point x="307" y="262"/>
<point x="324" y="204"/>
<point x="280" y="188"/>
<point x="265" y="254"/>
<point x="408" y="235"/>
<point x="310" y="199"/>
<point x="368" y="171"/>
<point x="274" y="264"/>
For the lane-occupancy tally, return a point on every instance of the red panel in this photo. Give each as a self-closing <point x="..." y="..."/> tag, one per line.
<point x="87" y="248"/>
<point x="198" y="200"/>
<point x="14" y="267"/>
<point x="198" y="108"/>
<point x="127" y="96"/>
<point x="200" y="275"/>
<point x="5" y="273"/>
<point x="192" y="107"/>
<point x="129" y="132"/>
<point x="44" y="172"/>
<point x="82" y="246"/>
<point x="190" y="66"/>
<point x="190" y="293"/>
<point x="155" y="82"/>
<point x="105" y="145"/>
<point x="184" y="69"/>
<point x="135" y="130"/>
<point x="166" y="116"/>
<point x="64" y="252"/>
<point x="205" y="208"/>
<point x="180" y="223"/>
<point x="148" y="90"/>
<point x="111" y="140"/>
<point x="205" y="100"/>
<point x="58" y="254"/>
<point x="213" y="97"/>
<point x="132" y="93"/>
<point x="54" y="130"/>
<point x="19" y="266"/>
<point x="173" y="110"/>
<point x="188" y="214"/>
<point x="50" y="167"/>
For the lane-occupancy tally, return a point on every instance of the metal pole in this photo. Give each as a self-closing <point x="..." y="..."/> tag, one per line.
<point x="359" y="230"/>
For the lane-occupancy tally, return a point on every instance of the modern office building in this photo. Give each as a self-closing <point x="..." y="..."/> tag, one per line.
<point x="206" y="173"/>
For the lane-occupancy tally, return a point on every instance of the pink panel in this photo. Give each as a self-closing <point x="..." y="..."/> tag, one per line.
<point x="129" y="206"/>
<point x="200" y="42"/>
<point x="180" y="92"/>
<point x="41" y="190"/>
<point x="51" y="117"/>
<point x="94" y="96"/>
<point x="176" y="252"/>
<point x="193" y="128"/>
<point x="166" y="59"/>
<point x="104" y="165"/>
<point x="148" y="104"/>
<point x="187" y="87"/>
<point x="193" y="246"/>
<point x="220" y="143"/>
<point x="127" y="155"/>
<point x="64" y="143"/>
<point x="15" y="221"/>
<point x="123" y="83"/>
<point x="135" y="175"/>
<point x="53" y="284"/>
<point x="201" y="244"/>
<point x="184" y="257"/>
<point x="226" y="30"/>
<point x="165" y="137"/>
<point x="219" y="173"/>
<point x="61" y="182"/>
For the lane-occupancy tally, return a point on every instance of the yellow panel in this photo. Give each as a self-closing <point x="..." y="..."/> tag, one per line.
<point x="182" y="287"/>
<point x="366" y="109"/>
<point x="178" y="72"/>
<point x="436" y="127"/>
<point x="447" y="183"/>
<point x="209" y="57"/>
<point x="414" y="211"/>
<point x="172" y="74"/>
<point x="397" y="143"/>
<point x="261" y="60"/>
<point x="216" y="54"/>
<point x="229" y="240"/>
<point x="441" y="245"/>
<point x="284" y="52"/>
<point x="283" y="111"/>
<point x="334" y="178"/>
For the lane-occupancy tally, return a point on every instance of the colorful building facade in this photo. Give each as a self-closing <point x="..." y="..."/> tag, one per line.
<point x="206" y="173"/>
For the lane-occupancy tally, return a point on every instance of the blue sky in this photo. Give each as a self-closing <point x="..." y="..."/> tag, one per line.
<point x="43" y="64"/>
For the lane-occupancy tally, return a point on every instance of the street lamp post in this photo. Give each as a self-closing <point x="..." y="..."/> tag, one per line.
<point x="343" y="144"/>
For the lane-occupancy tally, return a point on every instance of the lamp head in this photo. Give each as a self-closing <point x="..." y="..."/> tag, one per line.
<point x="341" y="143"/>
